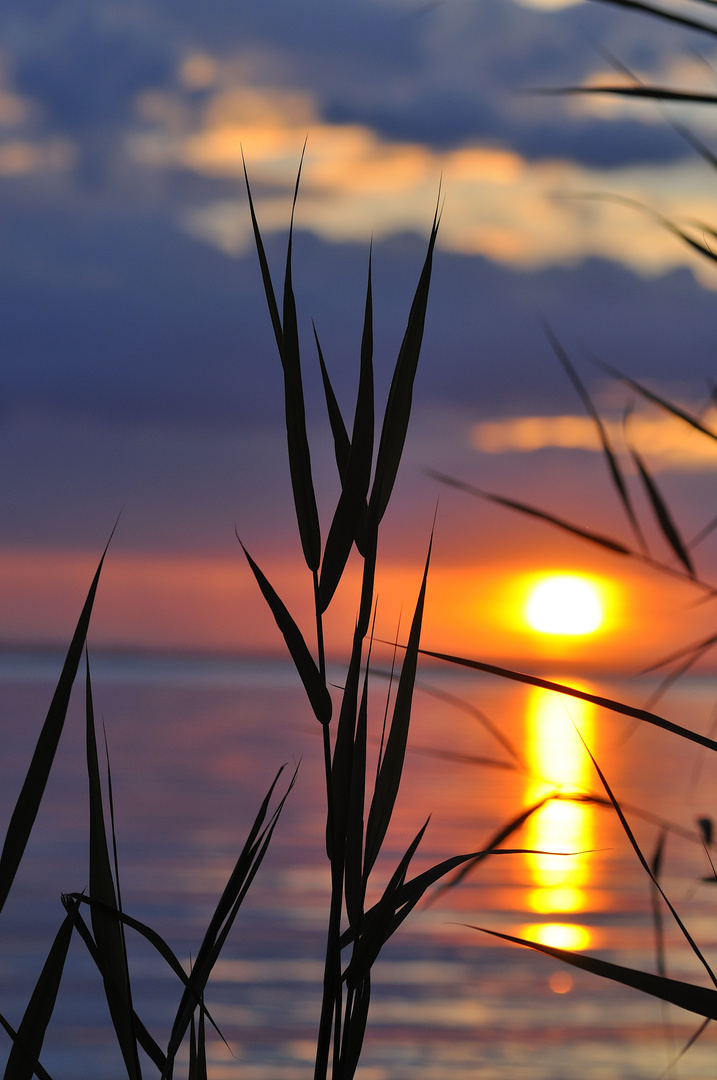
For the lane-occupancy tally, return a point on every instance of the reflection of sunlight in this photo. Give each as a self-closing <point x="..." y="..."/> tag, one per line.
<point x="558" y="761"/>
<point x="561" y="982"/>
<point x="558" y="935"/>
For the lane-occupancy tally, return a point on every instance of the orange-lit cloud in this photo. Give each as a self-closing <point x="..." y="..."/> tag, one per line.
<point x="670" y="442"/>
<point x="19" y="157"/>
<point x="356" y="184"/>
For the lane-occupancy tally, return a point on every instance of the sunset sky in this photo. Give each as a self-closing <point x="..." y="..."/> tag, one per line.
<point x="138" y="371"/>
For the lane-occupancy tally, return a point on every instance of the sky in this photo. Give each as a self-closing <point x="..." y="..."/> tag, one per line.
<point x="138" y="374"/>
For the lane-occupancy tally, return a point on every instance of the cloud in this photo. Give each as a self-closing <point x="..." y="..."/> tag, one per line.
<point x="355" y="185"/>
<point x="668" y="442"/>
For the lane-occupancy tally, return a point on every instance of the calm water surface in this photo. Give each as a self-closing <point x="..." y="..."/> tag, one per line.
<point x="194" y="746"/>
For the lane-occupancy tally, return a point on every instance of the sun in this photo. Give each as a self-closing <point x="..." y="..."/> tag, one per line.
<point x="564" y="604"/>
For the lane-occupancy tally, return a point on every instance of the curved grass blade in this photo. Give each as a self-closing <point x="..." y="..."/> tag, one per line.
<point x="154" y="939"/>
<point x="646" y="866"/>
<point x="376" y="931"/>
<point x="703" y="250"/>
<point x="398" y="406"/>
<point x="532" y="511"/>
<point x="655" y="870"/>
<point x="197" y="1050"/>
<point x="663" y="515"/>
<point x="224" y="915"/>
<point x="689" y="652"/>
<point x="304" y="663"/>
<point x="571" y="691"/>
<point x="402" y="896"/>
<point x="355" y="1027"/>
<point x="498" y="837"/>
<point x="28" y="803"/>
<point x="612" y="463"/>
<point x="660" y="13"/>
<point x="38" y="1070"/>
<point x="27" y="1042"/>
<point x="463" y="759"/>
<point x="696" y="999"/>
<point x="144" y="1038"/>
<point x="264" y="267"/>
<point x="353" y="871"/>
<point x="109" y="939"/>
<point x="477" y="714"/>
<point x="659" y="93"/>
<point x="389" y="776"/>
<point x="307" y="515"/>
<point x="357" y="475"/>
<point x="650" y="395"/>
<point x="342" y="443"/>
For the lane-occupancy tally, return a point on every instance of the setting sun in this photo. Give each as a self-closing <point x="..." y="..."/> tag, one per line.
<point x="564" y="604"/>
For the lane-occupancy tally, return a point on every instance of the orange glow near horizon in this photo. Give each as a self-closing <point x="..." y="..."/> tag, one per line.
<point x="207" y="603"/>
<point x="559" y="764"/>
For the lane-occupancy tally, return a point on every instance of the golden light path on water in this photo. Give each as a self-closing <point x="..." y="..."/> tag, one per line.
<point x="559" y="764"/>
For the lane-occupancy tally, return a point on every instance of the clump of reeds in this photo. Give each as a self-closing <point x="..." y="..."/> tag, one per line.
<point x="360" y="795"/>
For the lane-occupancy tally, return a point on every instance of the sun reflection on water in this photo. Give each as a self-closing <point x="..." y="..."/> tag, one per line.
<point x="559" y="765"/>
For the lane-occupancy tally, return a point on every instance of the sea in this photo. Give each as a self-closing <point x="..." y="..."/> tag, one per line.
<point x="194" y="744"/>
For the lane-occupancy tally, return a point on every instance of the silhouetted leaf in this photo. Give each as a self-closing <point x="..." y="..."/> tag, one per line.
<point x="304" y="663"/>
<point x="646" y="866"/>
<point x="357" y="475"/>
<point x="612" y="462"/>
<point x="389" y="775"/>
<point x="663" y="516"/>
<point x="342" y="444"/>
<point x="297" y="442"/>
<point x="27" y="1042"/>
<point x="143" y="1037"/>
<point x="398" y="406"/>
<point x="107" y="930"/>
<point x="660" y="93"/>
<point x="696" y="999"/>
<point x="28" y="803"/>
<point x="650" y="395"/>
<point x="571" y="691"/>
<point x="661" y="13"/>
<point x="524" y="508"/>
<point x="223" y="918"/>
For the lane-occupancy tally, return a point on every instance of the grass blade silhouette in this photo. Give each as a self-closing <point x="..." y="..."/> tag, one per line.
<point x="389" y="775"/>
<point x="302" y="484"/>
<point x="287" y="340"/>
<point x="571" y="691"/>
<point x="304" y="663"/>
<point x="696" y="999"/>
<point x="663" y="515"/>
<point x="107" y="931"/>
<point x="28" y="803"/>
<point x="342" y="443"/>
<point x="610" y="458"/>
<point x="656" y="399"/>
<point x="357" y="474"/>
<point x="27" y="1042"/>
<point x="398" y="406"/>
<point x="38" y="1070"/>
<point x="532" y="511"/>
<point x="642" y="8"/>
<point x="227" y="908"/>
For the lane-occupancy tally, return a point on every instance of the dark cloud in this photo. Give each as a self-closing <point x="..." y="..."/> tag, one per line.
<point x="122" y="316"/>
<point x="441" y="76"/>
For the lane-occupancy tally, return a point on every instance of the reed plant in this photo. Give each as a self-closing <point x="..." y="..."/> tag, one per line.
<point x="361" y="793"/>
<point x="680" y="561"/>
